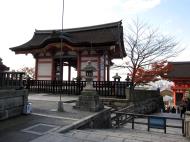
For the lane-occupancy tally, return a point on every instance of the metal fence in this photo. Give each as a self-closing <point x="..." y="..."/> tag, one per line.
<point x="153" y="121"/>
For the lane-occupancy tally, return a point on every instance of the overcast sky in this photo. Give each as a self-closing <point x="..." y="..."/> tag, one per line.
<point x="20" y="18"/>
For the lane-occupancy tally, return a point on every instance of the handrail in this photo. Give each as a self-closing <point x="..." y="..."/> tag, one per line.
<point x="120" y="120"/>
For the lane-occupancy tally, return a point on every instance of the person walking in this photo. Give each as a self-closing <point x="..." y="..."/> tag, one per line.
<point x="183" y="107"/>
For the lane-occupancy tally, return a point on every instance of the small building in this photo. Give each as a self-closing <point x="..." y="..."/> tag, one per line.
<point x="3" y="67"/>
<point x="180" y="75"/>
<point x="54" y="49"/>
<point x="166" y="92"/>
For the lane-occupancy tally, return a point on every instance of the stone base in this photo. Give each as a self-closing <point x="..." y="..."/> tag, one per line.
<point x="12" y="102"/>
<point x="187" y="124"/>
<point x="89" y="101"/>
<point x="60" y="107"/>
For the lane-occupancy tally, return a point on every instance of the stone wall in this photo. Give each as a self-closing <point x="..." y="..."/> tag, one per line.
<point x="12" y="102"/>
<point x="147" y="101"/>
<point x="100" y="120"/>
<point x="187" y="124"/>
<point x="143" y="95"/>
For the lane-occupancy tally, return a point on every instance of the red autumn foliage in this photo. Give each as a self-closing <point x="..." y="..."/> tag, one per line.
<point x="157" y="71"/>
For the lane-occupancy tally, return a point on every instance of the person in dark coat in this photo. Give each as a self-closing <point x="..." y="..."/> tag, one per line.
<point x="188" y="104"/>
<point x="183" y="107"/>
<point x="173" y="110"/>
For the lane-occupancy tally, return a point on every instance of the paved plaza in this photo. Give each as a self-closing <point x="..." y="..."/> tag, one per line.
<point x="45" y="123"/>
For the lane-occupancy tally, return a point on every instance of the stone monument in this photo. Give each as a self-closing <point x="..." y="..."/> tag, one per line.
<point x="89" y="98"/>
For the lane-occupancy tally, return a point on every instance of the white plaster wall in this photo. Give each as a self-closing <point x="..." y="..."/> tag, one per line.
<point x="44" y="69"/>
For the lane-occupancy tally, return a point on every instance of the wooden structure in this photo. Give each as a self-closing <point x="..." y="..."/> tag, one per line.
<point x="54" y="49"/>
<point x="3" y="67"/>
<point x="103" y="88"/>
<point x="180" y="75"/>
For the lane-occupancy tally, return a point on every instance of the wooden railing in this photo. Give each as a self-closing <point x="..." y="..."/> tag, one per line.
<point x="111" y="88"/>
<point x="104" y="88"/>
<point x="159" y="122"/>
<point x="11" y="80"/>
<point x="55" y="86"/>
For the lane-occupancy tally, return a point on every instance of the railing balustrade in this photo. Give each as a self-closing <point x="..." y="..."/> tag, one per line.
<point x="55" y="86"/>
<point x="11" y="80"/>
<point x="104" y="88"/>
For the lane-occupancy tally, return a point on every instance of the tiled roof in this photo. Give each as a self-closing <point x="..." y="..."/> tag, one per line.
<point x="2" y="66"/>
<point x="179" y="70"/>
<point x="93" y="36"/>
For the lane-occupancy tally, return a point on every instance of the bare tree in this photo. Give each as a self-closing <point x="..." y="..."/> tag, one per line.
<point x="146" y="46"/>
<point x="29" y="72"/>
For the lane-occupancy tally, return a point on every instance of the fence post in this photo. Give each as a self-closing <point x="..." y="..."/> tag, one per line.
<point x="183" y="126"/>
<point x="133" y="121"/>
<point x="117" y="120"/>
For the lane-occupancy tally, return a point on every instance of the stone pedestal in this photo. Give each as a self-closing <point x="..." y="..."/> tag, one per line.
<point x="60" y="106"/>
<point x="89" y="101"/>
<point x="187" y="124"/>
<point x="12" y="102"/>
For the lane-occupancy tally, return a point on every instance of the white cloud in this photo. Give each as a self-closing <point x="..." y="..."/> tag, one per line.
<point x="135" y="6"/>
<point x="20" y="18"/>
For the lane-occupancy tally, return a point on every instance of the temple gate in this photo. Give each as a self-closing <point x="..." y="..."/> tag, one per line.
<point x="180" y="75"/>
<point x="55" y="49"/>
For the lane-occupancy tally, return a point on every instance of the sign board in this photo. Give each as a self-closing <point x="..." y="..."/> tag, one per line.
<point x="157" y="122"/>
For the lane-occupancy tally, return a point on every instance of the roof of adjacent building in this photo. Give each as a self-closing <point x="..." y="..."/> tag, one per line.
<point x="85" y="37"/>
<point x="2" y="66"/>
<point x="179" y="70"/>
<point x="166" y="92"/>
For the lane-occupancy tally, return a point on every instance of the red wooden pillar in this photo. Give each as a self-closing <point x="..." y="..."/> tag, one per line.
<point x="98" y="79"/>
<point x="79" y="65"/>
<point x="108" y="68"/>
<point x="61" y="69"/>
<point x="53" y="70"/>
<point x="108" y="73"/>
<point x="104" y="67"/>
<point x="36" y="69"/>
<point x="174" y="97"/>
<point x="69" y="72"/>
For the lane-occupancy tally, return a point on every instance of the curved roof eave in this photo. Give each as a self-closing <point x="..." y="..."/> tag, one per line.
<point x="106" y="34"/>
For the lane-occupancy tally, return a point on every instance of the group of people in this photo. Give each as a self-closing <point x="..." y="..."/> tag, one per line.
<point x="182" y="108"/>
<point x="172" y="109"/>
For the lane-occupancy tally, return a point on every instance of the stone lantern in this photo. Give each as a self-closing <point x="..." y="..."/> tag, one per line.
<point x="89" y="98"/>
<point x="89" y="69"/>
<point x="116" y="77"/>
<point x="127" y="79"/>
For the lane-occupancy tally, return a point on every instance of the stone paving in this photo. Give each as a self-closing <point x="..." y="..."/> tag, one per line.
<point x="44" y="113"/>
<point x="111" y="135"/>
<point x="43" y="126"/>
